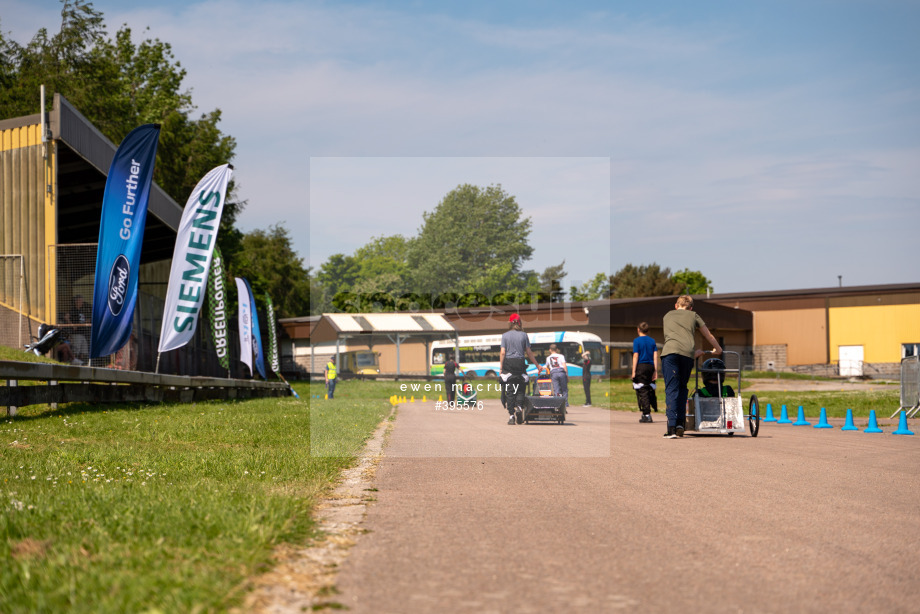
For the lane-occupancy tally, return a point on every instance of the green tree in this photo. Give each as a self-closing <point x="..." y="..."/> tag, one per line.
<point x="269" y="262"/>
<point x="597" y="288"/>
<point x="645" y="280"/>
<point x="382" y="267"/>
<point x="119" y="85"/>
<point x="474" y="240"/>
<point x="692" y="282"/>
<point x="551" y="283"/>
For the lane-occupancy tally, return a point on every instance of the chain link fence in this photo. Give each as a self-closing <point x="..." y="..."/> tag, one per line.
<point x="73" y="287"/>
<point x="14" y="322"/>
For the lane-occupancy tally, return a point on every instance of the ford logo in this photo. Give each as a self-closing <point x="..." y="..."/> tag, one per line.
<point x="118" y="284"/>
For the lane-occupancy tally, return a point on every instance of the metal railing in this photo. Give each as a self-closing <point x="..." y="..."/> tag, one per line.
<point x="910" y="386"/>
<point x="75" y="384"/>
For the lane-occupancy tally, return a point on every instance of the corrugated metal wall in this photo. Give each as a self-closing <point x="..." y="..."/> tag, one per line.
<point x="802" y="331"/>
<point x="22" y="208"/>
<point x="881" y="330"/>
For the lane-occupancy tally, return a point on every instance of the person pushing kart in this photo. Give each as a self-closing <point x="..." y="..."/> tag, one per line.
<point x="513" y="369"/>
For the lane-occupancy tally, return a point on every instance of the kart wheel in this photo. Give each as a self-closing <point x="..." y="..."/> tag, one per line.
<point x="754" y="415"/>
<point x="491" y="375"/>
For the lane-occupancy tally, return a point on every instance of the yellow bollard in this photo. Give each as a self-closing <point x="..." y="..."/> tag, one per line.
<point x="412" y="400"/>
<point x="424" y="400"/>
<point x="327" y="397"/>
<point x="440" y="399"/>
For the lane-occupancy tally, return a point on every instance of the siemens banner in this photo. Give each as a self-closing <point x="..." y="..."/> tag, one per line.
<point x="188" y="275"/>
<point x="121" y="234"/>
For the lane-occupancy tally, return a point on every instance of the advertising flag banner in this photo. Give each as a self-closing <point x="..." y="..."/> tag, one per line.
<point x="245" y="322"/>
<point x="256" y="336"/>
<point x="188" y="275"/>
<point x="121" y="234"/>
<point x="272" y="335"/>
<point x="217" y="308"/>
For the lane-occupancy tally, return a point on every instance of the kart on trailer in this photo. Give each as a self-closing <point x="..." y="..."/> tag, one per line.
<point x="716" y="408"/>
<point x="544" y="405"/>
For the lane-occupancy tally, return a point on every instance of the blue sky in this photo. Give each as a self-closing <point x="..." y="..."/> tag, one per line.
<point x="770" y="145"/>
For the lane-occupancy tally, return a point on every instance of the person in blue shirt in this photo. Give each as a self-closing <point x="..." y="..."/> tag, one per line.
<point x="645" y="372"/>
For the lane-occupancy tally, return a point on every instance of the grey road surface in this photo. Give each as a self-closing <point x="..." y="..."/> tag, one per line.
<point x="604" y="515"/>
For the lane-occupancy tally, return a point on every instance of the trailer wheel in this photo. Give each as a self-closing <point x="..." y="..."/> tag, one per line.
<point x="754" y="415"/>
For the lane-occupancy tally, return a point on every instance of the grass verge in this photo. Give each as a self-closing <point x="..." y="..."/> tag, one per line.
<point x="170" y="508"/>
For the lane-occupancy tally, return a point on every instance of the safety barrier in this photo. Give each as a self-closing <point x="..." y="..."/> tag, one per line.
<point x="910" y="386"/>
<point x="49" y="383"/>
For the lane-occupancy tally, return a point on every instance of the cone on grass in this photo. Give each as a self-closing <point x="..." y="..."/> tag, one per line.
<point x="823" y="423"/>
<point x="849" y="426"/>
<point x="784" y="416"/>
<point x="873" y="424"/>
<point x="902" y="426"/>
<point x="801" y="421"/>
<point x="769" y="417"/>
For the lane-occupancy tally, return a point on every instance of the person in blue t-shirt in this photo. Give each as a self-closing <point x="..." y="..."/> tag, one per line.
<point x="645" y="372"/>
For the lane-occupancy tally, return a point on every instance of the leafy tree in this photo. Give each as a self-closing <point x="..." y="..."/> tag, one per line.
<point x="337" y="278"/>
<point x="645" y="280"/>
<point x="597" y="288"/>
<point x="119" y="85"/>
<point x="475" y="239"/>
<point x="271" y="265"/>
<point x="383" y="267"/>
<point x="551" y="283"/>
<point x="692" y="282"/>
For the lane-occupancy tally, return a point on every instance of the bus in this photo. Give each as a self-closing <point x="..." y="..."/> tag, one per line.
<point x="352" y="360"/>
<point x="479" y="354"/>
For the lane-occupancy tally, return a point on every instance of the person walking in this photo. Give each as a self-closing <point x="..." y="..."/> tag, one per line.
<point x="558" y="372"/>
<point x="515" y="346"/>
<point x="677" y="356"/>
<point x="586" y="376"/>
<point x="330" y="376"/>
<point x="450" y="378"/>
<point x="645" y="372"/>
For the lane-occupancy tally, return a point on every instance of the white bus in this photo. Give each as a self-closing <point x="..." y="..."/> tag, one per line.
<point x="479" y="354"/>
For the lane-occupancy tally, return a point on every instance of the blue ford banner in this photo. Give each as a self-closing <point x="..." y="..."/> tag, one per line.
<point x="256" y="337"/>
<point x="121" y="234"/>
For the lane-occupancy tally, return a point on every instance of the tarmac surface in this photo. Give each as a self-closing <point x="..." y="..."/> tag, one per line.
<point x="602" y="514"/>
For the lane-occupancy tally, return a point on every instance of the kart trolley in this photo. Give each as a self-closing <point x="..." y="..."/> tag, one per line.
<point x="720" y="414"/>
<point x="544" y="405"/>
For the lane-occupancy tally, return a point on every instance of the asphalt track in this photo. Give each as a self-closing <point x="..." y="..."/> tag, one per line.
<point x="603" y="514"/>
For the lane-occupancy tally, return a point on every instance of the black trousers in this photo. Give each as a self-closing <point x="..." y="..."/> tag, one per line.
<point x="646" y="396"/>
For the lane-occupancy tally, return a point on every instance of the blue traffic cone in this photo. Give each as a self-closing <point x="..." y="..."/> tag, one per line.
<point x="849" y="426"/>
<point x="784" y="416"/>
<point x="822" y="423"/>
<point x="902" y="426"/>
<point x="873" y="424"/>
<point x="801" y="420"/>
<point x="769" y="417"/>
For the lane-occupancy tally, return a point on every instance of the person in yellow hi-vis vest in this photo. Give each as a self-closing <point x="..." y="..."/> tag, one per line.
<point x="330" y="379"/>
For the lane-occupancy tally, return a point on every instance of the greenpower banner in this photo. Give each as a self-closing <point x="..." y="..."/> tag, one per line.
<point x="217" y="308"/>
<point x="272" y="336"/>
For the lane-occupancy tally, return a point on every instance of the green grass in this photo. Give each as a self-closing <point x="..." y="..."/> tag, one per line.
<point x="172" y="508"/>
<point x="163" y="507"/>
<point x="8" y="353"/>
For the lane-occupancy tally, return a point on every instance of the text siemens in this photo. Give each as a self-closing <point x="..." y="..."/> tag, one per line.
<point x="199" y="249"/>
